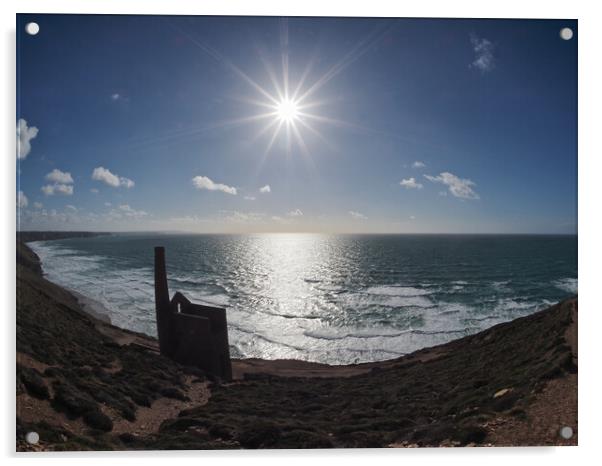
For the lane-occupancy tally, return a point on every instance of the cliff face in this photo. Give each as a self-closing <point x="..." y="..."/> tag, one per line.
<point x="78" y="377"/>
<point x="27" y="259"/>
<point x="83" y="384"/>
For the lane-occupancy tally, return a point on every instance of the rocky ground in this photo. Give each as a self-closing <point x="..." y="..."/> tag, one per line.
<point x="84" y="384"/>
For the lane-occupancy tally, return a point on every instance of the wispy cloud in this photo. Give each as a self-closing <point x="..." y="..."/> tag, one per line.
<point x="418" y="164"/>
<point x="483" y="49"/>
<point x="38" y="205"/>
<point x="57" y="188"/>
<point x="22" y="200"/>
<point x="249" y="198"/>
<point x="234" y="216"/>
<point x="203" y="182"/>
<point x="357" y="215"/>
<point x="111" y="179"/>
<point x="410" y="183"/>
<point x="70" y="207"/>
<point x="59" y="177"/>
<point x="295" y="213"/>
<point x="457" y="187"/>
<point x="128" y="211"/>
<point x="265" y="189"/>
<point x="25" y="134"/>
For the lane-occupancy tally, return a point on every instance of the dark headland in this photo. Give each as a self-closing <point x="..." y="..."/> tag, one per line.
<point x="85" y="384"/>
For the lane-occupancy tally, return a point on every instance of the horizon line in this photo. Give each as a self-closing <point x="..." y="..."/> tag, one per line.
<point x="185" y="232"/>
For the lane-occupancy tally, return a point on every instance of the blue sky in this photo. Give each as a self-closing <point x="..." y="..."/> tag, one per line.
<point x="399" y="125"/>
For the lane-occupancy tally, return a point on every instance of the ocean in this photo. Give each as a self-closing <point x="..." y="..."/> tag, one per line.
<point x="335" y="299"/>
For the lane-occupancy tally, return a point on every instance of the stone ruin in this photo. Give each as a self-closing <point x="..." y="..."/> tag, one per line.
<point x="191" y="334"/>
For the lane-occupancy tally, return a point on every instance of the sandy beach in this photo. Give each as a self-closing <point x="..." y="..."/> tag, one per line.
<point x="83" y="383"/>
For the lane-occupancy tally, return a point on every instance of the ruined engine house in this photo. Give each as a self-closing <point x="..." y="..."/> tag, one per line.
<point x="191" y="334"/>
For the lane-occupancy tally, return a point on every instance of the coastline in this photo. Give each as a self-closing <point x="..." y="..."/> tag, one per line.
<point x="92" y="307"/>
<point x="325" y="319"/>
<point x="89" y="305"/>
<point x="46" y="372"/>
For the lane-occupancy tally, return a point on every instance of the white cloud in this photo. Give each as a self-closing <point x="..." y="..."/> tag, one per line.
<point x="265" y="189"/>
<point x="70" y="207"/>
<point x="115" y="96"/>
<point x="458" y="187"/>
<point x="57" y="188"/>
<point x="295" y="213"/>
<point x="418" y="164"/>
<point x="59" y="177"/>
<point x="24" y="136"/>
<point x="127" y="210"/>
<point x="107" y="204"/>
<point x="410" y="183"/>
<point x="249" y="198"/>
<point x="484" y="59"/>
<point x="38" y="205"/>
<point x="203" y="182"/>
<point x="126" y="182"/>
<point x="94" y="191"/>
<point x="412" y="217"/>
<point x="22" y="200"/>
<point x="357" y="215"/>
<point x="111" y="179"/>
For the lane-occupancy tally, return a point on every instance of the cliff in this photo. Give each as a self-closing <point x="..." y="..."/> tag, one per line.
<point x="84" y="384"/>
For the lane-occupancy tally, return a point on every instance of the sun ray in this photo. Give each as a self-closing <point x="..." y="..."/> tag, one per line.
<point x="222" y="59"/>
<point x="332" y="121"/>
<point x="301" y="82"/>
<point x="266" y="152"/>
<point x="265" y="129"/>
<point x="272" y="75"/>
<point x="194" y="131"/>
<point x="317" y="133"/>
<point x="302" y="145"/>
<point x="363" y="46"/>
<point x="284" y="53"/>
<point x="274" y="136"/>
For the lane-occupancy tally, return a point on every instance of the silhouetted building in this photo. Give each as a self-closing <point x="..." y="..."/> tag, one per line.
<point x="189" y="333"/>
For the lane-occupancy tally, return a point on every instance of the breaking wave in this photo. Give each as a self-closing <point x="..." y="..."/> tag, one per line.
<point x="313" y="300"/>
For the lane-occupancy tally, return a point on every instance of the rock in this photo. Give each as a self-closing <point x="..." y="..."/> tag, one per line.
<point x="502" y="392"/>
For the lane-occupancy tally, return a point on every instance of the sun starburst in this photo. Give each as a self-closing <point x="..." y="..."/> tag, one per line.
<point x="290" y="111"/>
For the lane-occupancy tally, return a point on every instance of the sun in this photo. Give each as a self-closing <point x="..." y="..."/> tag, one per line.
<point x="291" y="109"/>
<point x="287" y="110"/>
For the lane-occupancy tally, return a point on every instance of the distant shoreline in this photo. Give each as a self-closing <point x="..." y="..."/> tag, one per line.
<point x="29" y="236"/>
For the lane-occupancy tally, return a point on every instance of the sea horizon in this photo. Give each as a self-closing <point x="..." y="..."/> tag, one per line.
<point x="178" y="232"/>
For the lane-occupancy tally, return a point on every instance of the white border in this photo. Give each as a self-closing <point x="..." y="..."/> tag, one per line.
<point x="590" y="237"/>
